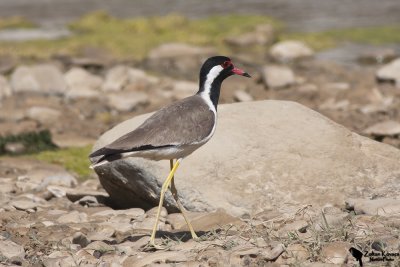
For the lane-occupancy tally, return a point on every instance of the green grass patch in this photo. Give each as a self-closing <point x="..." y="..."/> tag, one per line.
<point x="15" y="22"/>
<point x="74" y="159"/>
<point x="328" y="39"/>
<point x="133" y="38"/>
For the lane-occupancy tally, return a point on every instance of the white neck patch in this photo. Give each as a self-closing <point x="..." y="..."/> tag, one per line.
<point x="205" y="94"/>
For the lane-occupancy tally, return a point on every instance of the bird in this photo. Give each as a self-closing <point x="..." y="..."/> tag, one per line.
<point x="175" y="131"/>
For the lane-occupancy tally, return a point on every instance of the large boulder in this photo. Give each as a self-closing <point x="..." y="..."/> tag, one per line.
<point x="390" y="72"/>
<point x="263" y="154"/>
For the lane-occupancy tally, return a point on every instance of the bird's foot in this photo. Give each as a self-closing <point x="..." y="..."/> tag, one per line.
<point x="194" y="236"/>
<point x="152" y="244"/>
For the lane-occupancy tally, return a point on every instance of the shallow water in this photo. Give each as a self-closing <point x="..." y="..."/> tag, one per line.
<point x="300" y="15"/>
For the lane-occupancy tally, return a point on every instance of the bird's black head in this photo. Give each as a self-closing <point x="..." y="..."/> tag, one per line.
<point x="213" y="72"/>
<point x="220" y="67"/>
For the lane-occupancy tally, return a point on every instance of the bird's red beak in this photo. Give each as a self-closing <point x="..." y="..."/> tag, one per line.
<point x="240" y="72"/>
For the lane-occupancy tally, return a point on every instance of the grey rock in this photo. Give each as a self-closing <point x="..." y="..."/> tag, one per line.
<point x="386" y="128"/>
<point x="80" y="239"/>
<point x="139" y="79"/>
<point x="277" y="76"/>
<point x="82" y="84"/>
<point x="336" y="252"/>
<point x="74" y="194"/>
<point x="182" y="89"/>
<point x="24" y="204"/>
<point x="273" y="159"/>
<point x="379" y="206"/>
<point x="79" y="93"/>
<point x="59" y="178"/>
<point x="338" y="86"/>
<point x="102" y="232"/>
<point x="141" y="260"/>
<point x="116" y="78"/>
<point x="80" y="79"/>
<point x="290" y="50"/>
<point x="43" y="78"/>
<point x="5" y="89"/>
<point x="7" y="185"/>
<point x="28" y="202"/>
<point x="73" y="217"/>
<point x="390" y="72"/>
<point x="44" y="115"/>
<point x="131" y="213"/>
<point x="10" y="249"/>
<point x="378" y="56"/>
<point x="127" y="101"/>
<point x="242" y="96"/>
<point x="59" y="258"/>
<point x="99" y="245"/>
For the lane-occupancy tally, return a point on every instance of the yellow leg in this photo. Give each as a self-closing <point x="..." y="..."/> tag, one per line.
<point x="163" y="190"/>
<point x="181" y="208"/>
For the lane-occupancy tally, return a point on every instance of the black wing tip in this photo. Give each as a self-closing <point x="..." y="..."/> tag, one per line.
<point x="99" y="152"/>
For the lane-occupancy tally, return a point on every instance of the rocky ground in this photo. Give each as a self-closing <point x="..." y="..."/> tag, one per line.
<point x="49" y="218"/>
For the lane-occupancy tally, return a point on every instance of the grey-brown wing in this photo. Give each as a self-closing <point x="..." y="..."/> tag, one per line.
<point x="187" y="121"/>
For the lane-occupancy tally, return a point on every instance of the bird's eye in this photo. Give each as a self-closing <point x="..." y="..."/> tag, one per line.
<point x="226" y="64"/>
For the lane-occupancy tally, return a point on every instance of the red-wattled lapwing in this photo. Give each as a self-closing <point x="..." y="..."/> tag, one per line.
<point x="176" y="130"/>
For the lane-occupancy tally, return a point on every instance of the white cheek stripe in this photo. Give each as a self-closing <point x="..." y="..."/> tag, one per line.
<point x="214" y="72"/>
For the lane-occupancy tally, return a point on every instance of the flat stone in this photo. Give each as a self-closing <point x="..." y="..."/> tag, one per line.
<point x="24" y="204"/>
<point x="59" y="178"/>
<point x="390" y="72"/>
<point x="336" y="252"/>
<point x="80" y="239"/>
<point x="140" y="259"/>
<point x="73" y="217"/>
<point x="131" y="213"/>
<point x="44" y="115"/>
<point x="127" y="101"/>
<point x="10" y="249"/>
<point x="79" y="93"/>
<point x="7" y="185"/>
<point x="5" y="89"/>
<point x="386" y="128"/>
<point x="297" y="251"/>
<point x="290" y="50"/>
<point x="99" y="245"/>
<point x="74" y="194"/>
<point x="65" y="260"/>
<point x="210" y="221"/>
<point x="380" y="206"/>
<point x="275" y="76"/>
<point x="116" y="78"/>
<point x="102" y="232"/>
<point x="78" y="79"/>
<point x="139" y="79"/>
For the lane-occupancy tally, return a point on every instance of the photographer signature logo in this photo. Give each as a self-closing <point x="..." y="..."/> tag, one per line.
<point x="382" y="256"/>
